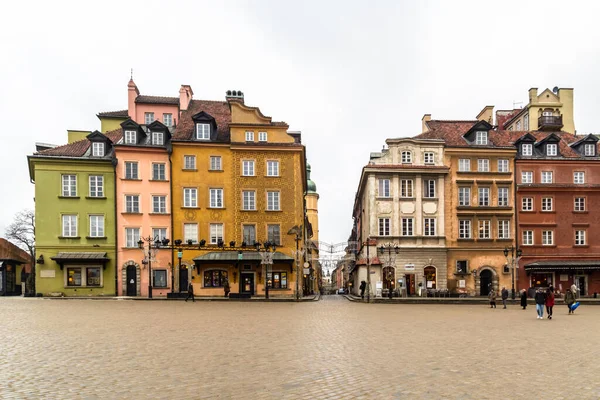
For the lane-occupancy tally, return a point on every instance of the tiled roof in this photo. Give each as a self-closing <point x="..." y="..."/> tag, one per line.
<point x="219" y="110"/>
<point x="79" y="148"/>
<point x="83" y="255"/>
<point x="157" y="100"/>
<point x="8" y="251"/>
<point x="115" y="114"/>
<point x="406" y="166"/>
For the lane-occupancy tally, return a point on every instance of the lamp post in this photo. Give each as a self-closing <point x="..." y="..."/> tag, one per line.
<point x="179" y="257"/>
<point x="266" y="257"/>
<point x="509" y="253"/>
<point x="391" y="250"/>
<point x="151" y="254"/>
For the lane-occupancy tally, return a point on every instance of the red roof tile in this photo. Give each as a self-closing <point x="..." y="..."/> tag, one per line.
<point x="9" y="251"/>
<point x="219" y="110"/>
<point x="157" y="100"/>
<point x="78" y="149"/>
<point x="114" y="114"/>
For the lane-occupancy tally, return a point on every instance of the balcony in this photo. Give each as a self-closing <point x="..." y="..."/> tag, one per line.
<point x="550" y="123"/>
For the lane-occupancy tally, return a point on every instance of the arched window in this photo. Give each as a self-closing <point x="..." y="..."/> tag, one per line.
<point x="406" y="157"/>
<point x="430" y="277"/>
<point x="214" y="278"/>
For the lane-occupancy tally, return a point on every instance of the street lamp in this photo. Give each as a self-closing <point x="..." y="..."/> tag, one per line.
<point x="512" y="261"/>
<point x="151" y="254"/>
<point x="266" y="257"/>
<point x="391" y="250"/>
<point x="179" y="257"/>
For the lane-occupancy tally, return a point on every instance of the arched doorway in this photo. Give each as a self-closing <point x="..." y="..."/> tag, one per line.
<point x="183" y="278"/>
<point x="389" y="276"/>
<point x="430" y="277"/>
<point x="130" y="279"/>
<point x="485" y="282"/>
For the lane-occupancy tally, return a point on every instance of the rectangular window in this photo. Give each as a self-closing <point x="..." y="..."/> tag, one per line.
<point x="579" y="238"/>
<point x="429" y="227"/>
<point x="526" y="177"/>
<point x="74" y="277"/>
<point x="168" y="119"/>
<point x="189" y="162"/>
<point x="132" y="203"/>
<point x="526" y="122"/>
<point x="406" y="157"/>
<point x="272" y="168"/>
<point x="503" y="197"/>
<point x="273" y="201"/>
<point x="464" y="196"/>
<point x="248" y="168"/>
<point x="215" y="278"/>
<point x="406" y="188"/>
<point x="97" y="149"/>
<point x="462" y="267"/>
<point x="464" y="165"/>
<point x="481" y="137"/>
<point x="464" y="229"/>
<point x="274" y="234"/>
<point x="527" y="149"/>
<point x="249" y="234"/>
<point x="215" y="163"/>
<point x="69" y="225"/>
<point x="96" y="186"/>
<point x="579" y="177"/>
<point x="429" y="188"/>
<point x="131" y="170"/>
<point x="132" y="237"/>
<point x="159" y="233"/>
<point x="148" y="118"/>
<point x="579" y="204"/>
<point x="69" y="185"/>
<point x="190" y="197"/>
<point x="278" y="279"/>
<point x="528" y="238"/>
<point x="159" y="204"/>
<point x="216" y="233"/>
<point x="158" y="172"/>
<point x="92" y="276"/>
<point x="249" y="200"/>
<point x="483" y="165"/>
<point x="551" y="149"/>
<point x="504" y="229"/>
<point x="589" y="149"/>
<point x="484" y="196"/>
<point x="527" y="204"/>
<point x="547" y="238"/>
<point x="96" y="225"/>
<point x="158" y="138"/>
<point x="384" y="226"/>
<point x="429" y="157"/>
<point x="262" y="136"/>
<point x="249" y="136"/>
<point x="546" y="176"/>
<point x="384" y="188"/>
<point x="547" y="204"/>
<point x="216" y="198"/>
<point x="407" y="227"/>
<point x="202" y="131"/>
<point x="130" y="137"/>
<point x="484" y="229"/>
<point x="190" y="232"/>
<point x="502" y="165"/>
<point x="159" y="278"/>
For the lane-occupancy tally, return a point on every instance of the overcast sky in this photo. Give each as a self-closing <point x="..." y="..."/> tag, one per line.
<point x="347" y="74"/>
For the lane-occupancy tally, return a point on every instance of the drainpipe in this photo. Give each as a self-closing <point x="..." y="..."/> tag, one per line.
<point x="515" y="207"/>
<point x="170" y="152"/>
<point x="114" y="163"/>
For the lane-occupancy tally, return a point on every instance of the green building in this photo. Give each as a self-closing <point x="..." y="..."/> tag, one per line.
<point x="75" y="217"/>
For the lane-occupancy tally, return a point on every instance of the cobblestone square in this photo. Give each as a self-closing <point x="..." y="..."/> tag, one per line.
<point x="330" y="349"/>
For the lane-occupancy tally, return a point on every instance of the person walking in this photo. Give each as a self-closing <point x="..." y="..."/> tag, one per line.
<point x="363" y="286"/>
<point x="226" y="287"/>
<point x="190" y="293"/>
<point x="570" y="297"/>
<point x="524" y="299"/>
<point x="492" y="297"/>
<point x="540" y="301"/>
<point x="549" y="301"/>
<point x="504" y="296"/>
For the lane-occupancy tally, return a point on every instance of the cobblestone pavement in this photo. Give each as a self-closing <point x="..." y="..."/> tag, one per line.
<point x="331" y="349"/>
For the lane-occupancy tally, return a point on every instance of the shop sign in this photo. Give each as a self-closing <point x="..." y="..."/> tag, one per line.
<point x="409" y="267"/>
<point x="47" y="273"/>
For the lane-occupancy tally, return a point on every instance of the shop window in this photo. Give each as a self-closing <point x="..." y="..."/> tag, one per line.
<point x="278" y="280"/>
<point x="159" y="276"/>
<point x="215" y="278"/>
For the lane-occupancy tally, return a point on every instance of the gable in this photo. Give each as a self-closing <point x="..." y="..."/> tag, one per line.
<point x="547" y="96"/>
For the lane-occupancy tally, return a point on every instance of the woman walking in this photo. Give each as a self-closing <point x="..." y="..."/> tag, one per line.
<point x="540" y="301"/>
<point x="492" y="297"/>
<point x="524" y="299"/>
<point x="570" y="297"/>
<point x="549" y="301"/>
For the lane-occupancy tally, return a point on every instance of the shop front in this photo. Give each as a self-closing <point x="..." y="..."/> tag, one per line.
<point x="83" y="274"/>
<point x="14" y="268"/>
<point x="562" y="274"/>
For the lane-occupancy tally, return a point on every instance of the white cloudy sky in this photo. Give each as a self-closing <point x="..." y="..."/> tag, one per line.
<point x="347" y="74"/>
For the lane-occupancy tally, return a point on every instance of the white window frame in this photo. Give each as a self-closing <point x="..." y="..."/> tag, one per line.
<point x="251" y="238"/>
<point x="589" y="149"/>
<point x="273" y="200"/>
<point x="148" y="118"/>
<point x="527" y="204"/>
<point x="579" y="204"/>
<point x="129" y="169"/>
<point x="503" y="165"/>
<point x="464" y="165"/>
<point x="159" y="172"/>
<point x="249" y="200"/>
<point x="272" y="168"/>
<point x="96" y="185"/>
<point x="527" y="238"/>
<point x="190" y="232"/>
<point x="248" y="168"/>
<point x="190" y="197"/>
<point x="429" y="157"/>
<point x="503" y="229"/>
<point x="216" y="198"/>
<point x="132" y="204"/>
<point x="484" y="229"/>
<point x="527" y="177"/>
<point x="132" y="237"/>
<point x="483" y="197"/>
<point x="481" y="138"/>
<point x="98" y="149"/>
<point x="406" y="157"/>
<point x="130" y="137"/>
<point x="158" y="138"/>
<point x="202" y="131"/>
<point x="580" y="238"/>
<point x="249" y="136"/>
<point x="429" y="226"/>
<point x="429" y="189"/>
<point x="547" y="204"/>
<point x="406" y="188"/>
<point x="215" y="163"/>
<point x="161" y="202"/>
<point x="503" y="196"/>
<point x="464" y="229"/>
<point x="384" y="189"/>
<point x="579" y="177"/>
<point x="526" y="122"/>
<point x="158" y="233"/>
<point x="262" y="136"/>
<point x="546" y="175"/>
<point x="547" y="238"/>
<point x="384" y="227"/>
<point x="69" y="225"/>
<point x="408" y="226"/>
<point x="527" y="149"/>
<point x="168" y="116"/>
<point x="216" y="233"/>
<point x="551" y="149"/>
<point x="464" y="196"/>
<point x="69" y="185"/>
<point x="483" y="165"/>
<point x="189" y="162"/>
<point x="96" y="226"/>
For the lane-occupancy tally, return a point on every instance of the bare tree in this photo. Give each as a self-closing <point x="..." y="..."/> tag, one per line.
<point x="22" y="233"/>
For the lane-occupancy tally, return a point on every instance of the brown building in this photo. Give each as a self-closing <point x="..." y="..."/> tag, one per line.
<point x="15" y="266"/>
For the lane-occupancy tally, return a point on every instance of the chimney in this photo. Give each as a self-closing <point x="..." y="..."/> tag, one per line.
<point x="487" y="115"/>
<point x="533" y="95"/>
<point x="235" y="96"/>
<point x="424" y="120"/>
<point x="132" y="93"/>
<point x="185" y="97"/>
<point x="565" y="95"/>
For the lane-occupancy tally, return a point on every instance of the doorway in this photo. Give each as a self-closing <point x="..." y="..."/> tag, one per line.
<point x="183" y="278"/>
<point x="581" y="283"/>
<point x="131" y="280"/>
<point x="485" y="282"/>
<point x="247" y="283"/>
<point x="410" y="284"/>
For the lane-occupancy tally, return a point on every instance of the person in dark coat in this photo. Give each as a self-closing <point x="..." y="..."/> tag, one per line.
<point x="524" y="299"/>
<point x="363" y="286"/>
<point x="549" y="301"/>
<point x="226" y="288"/>
<point x="492" y="296"/>
<point x="190" y="293"/>
<point x="540" y="302"/>
<point x="504" y="296"/>
<point x="571" y="297"/>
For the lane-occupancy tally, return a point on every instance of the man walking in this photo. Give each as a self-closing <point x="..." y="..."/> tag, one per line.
<point x="190" y="293"/>
<point x="570" y="297"/>
<point x="363" y="286"/>
<point x="504" y="296"/>
<point x="540" y="302"/>
<point x="492" y="297"/>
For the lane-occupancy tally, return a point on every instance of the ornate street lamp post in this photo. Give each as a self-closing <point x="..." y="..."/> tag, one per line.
<point x="150" y="254"/>
<point x="266" y="257"/>
<point x="389" y="251"/>
<point x="511" y="261"/>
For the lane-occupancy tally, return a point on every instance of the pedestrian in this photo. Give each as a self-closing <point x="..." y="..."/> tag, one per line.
<point x="524" y="299"/>
<point x="492" y="297"/>
<point x="570" y="296"/>
<point x="226" y="287"/>
<point x="190" y="293"/>
<point x="549" y="301"/>
<point x="540" y="301"/>
<point x="363" y="286"/>
<point x="504" y="296"/>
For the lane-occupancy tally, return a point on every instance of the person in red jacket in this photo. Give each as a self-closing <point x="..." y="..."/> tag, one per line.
<point x="550" y="301"/>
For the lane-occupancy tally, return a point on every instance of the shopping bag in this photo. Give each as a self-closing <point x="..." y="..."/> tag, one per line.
<point x="574" y="306"/>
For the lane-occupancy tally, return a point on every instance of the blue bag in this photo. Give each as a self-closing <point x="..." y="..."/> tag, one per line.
<point x="574" y="306"/>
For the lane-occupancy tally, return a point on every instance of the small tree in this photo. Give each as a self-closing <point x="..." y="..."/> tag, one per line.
<point x="22" y="233"/>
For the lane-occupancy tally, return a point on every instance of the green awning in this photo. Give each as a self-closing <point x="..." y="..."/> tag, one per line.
<point x="244" y="256"/>
<point x="80" y="256"/>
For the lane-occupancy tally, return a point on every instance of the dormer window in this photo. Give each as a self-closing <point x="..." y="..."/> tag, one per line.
<point x="428" y="157"/>
<point x="262" y="136"/>
<point x="551" y="149"/>
<point x="158" y="138"/>
<point x="130" y="137"/>
<point x="589" y="149"/>
<point x="249" y="136"/>
<point x="481" y="137"/>
<point x="527" y="149"/>
<point x="97" y="149"/>
<point x="406" y="157"/>
<point x="203" y="131"/>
